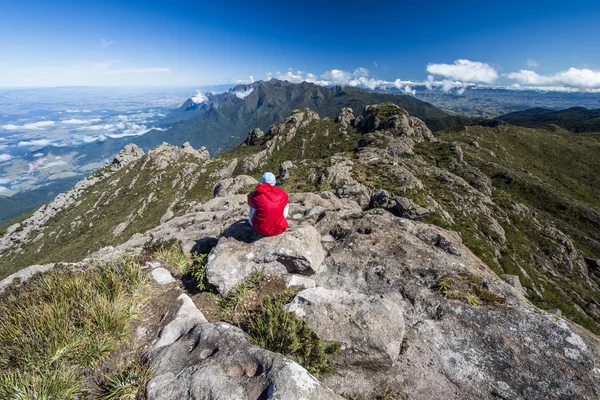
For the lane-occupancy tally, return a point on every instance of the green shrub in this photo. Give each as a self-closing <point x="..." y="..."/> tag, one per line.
<point x="197" y="270"/>
<point x="283" y="332"/>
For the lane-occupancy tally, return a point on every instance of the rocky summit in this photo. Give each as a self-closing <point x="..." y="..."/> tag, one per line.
<point x="416" y="266"/>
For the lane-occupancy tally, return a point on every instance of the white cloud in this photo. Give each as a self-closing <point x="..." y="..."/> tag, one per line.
<point x="358" y="72"/>
<point x="5" y="157"/>
<point x="36" y="155"/>
<point x="199" y="97"/>
<point x="297" y="77"/>
<point x="3" y="189"/>
<point x="532" y="63"/>
<point x="571" y="78"/>
<point x="339" y="77"/>
<point x="53" y="164"/>
<point x="34" y="143"/>
<point x="30" y="126"/>
<point x="75" y="121"/>
<point x="4" y="181"/>
<point x="38" y="125"/>
<point x="242" y="94"/>
<point x="465" y="70"/>
<point x="359" y="77"/>
<point x="105" y="43"/>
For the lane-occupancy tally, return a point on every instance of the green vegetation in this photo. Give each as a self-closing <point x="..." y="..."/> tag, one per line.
<point x="469" y="288"/>
<point x="283" y="332"/>
<point x="61" y="324"/>
<point x="228" y="305"/>
<point x="575" y="119"/>
<point x="89" y="224"/>
<point x="129" y="384"/>
<point x="188" y="266"/>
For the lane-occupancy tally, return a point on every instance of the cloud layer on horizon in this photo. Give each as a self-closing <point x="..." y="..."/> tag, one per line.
<point x="571" y="78"/>
<point x="456" y="78"/>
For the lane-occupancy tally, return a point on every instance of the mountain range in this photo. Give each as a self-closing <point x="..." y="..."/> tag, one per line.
<point x="219" y="122"/>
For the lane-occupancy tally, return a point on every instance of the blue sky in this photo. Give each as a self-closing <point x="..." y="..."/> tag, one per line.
<point x="541" y="43"/>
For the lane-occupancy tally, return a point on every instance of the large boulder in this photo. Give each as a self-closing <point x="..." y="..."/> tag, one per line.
<point x="370" y="328"/>
<point x="241" y="251"/>
<point x="216" y="362"/>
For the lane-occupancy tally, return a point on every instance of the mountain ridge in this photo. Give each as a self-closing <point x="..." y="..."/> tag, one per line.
<point x="398" y="236"/>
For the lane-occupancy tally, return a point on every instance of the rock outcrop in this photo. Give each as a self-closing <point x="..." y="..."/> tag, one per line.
<point x="231" y="186"/>
<point x="216" y="362"/>
<point x="130" y="153"/>
<point x="374" y="287"/>
<point x="241" y="251"/>
<point x="278" y="135"/>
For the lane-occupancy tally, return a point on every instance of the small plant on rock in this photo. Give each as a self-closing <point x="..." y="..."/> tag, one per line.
<point x="283" y="332"/>
<point x="469" y="288"/>
<point x="229" y="304"/>
<point x="473" y="299"/>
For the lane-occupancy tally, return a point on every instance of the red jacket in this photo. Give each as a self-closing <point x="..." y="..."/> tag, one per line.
<point x="269" y="202"/>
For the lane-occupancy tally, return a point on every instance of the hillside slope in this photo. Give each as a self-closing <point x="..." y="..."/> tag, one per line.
<point x="387" y="283"/>
<point x="523" y="200"/>
<point x="575" y="119"/>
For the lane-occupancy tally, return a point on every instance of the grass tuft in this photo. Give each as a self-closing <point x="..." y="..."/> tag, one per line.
<point x="126" y="385"/>
<point x="228" y="305"/>
<point x="62" y="322"/>
<point x="469" y="288"/>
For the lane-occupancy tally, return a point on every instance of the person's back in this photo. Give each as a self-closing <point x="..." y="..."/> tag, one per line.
<point x="268" y="207"/>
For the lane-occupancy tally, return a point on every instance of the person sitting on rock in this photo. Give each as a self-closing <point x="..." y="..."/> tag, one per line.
<point x="268" y="207"/>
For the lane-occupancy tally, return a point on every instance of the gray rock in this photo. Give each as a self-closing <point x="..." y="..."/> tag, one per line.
<point x="231" y="186"/>
<point x="216" y="362"/>
<point x="370" y="328"/>
<point x="129" y="153"/>
<point x="406" y="208"/>
<point x="24" y="274"/>
<point x="514" y="281"/>
<point x="162" y="276"/>
<point x="296" y="280"/>
<point x="284" y="170"/>
<point x="186" y="318"/>
<point x="241" y="251"/>
<point x="201" y="153"/>
<point x="593" y="264"/>
<point x="254" y="136"/>
<point x="345" y="119"/>
<point x="382" y="199"/>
